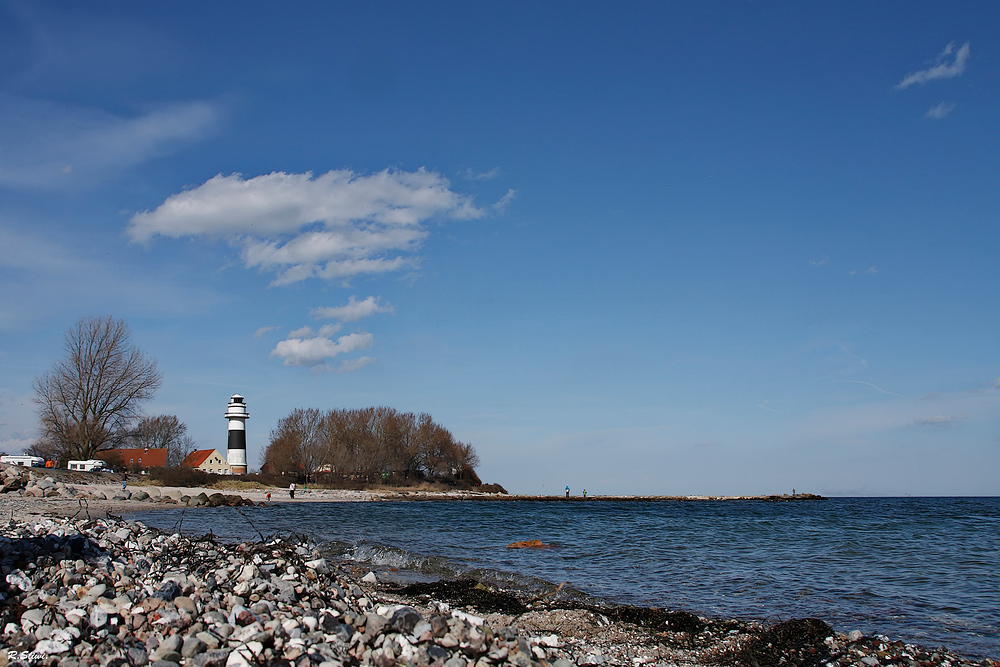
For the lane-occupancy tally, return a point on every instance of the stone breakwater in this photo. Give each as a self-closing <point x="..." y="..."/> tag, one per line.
<point x="29" y="483"/>
<point x="111" y="593"/>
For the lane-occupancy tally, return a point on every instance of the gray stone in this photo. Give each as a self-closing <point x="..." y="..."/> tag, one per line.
<point x="137" y="657"/>
<point x="171" y="643"/>
<point x="216" y="658"/>
<point x="31" y="619"/>
<point x="192" y="646"/>
<point x="405" y="619"/>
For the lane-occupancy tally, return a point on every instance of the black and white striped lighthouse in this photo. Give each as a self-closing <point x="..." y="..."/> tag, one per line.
<point x="237" y="454"/>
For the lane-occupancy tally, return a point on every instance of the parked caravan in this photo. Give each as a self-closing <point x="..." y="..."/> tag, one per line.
<point x="88" y="465"/>
<point x="24" y="461"/>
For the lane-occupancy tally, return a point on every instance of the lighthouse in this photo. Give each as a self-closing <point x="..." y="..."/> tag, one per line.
<point x="237" y="415"/>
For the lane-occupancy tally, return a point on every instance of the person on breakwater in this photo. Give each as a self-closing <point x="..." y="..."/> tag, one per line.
<point x="291" y="490"/>
<point x="567" y="490"/>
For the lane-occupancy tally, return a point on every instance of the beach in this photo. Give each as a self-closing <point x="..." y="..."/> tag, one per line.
<point x="97" y="589"/>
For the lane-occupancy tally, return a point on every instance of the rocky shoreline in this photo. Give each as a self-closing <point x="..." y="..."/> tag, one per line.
<point x="87" y="588"/>
<point x="109" y="592"/>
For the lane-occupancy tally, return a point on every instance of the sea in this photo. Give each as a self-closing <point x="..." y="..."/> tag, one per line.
<point x="921" y="570"/>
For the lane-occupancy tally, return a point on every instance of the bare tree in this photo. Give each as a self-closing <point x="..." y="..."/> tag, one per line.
<point x="163" y="432"/>
<point x="297" y="444"/>
<point x="89" y="400"/>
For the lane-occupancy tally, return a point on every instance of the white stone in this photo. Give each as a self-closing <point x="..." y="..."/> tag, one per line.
<point x="468" y="618"/>
<point x="370" y="578"/>
<point x="98" y="617"/>
<point x="50" y="646"/>
<point x="238" y="659"/>
<point x="21" y="580"/>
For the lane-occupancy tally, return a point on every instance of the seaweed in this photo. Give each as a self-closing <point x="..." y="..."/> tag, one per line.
<point x="466" y="592"/>
<point x="799" y="641"/>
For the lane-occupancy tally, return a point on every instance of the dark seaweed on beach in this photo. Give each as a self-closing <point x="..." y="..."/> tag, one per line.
<point x="466" y="593"/>
<point x="799" y="641"/>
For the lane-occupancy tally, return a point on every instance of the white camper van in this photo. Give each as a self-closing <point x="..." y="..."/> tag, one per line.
<point x="88" y="465"/>
<point x="24" y="461"/>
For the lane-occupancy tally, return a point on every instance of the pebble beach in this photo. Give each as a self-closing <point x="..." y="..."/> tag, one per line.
<point x="83" y="586"/>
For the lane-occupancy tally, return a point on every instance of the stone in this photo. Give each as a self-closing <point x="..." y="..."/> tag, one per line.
<point x="168" y="590"/>
<point x="405" y="619"/>
<point x="192" y="646"/>
<point x="51" y="646"/>
<point x="370" y="578"/>
<point x="21" y="580"/>
<point x="31" y="619"/>
<point x="185" y="603"/>
<point x="213" y="658"/>
<point x="98" y="617"/>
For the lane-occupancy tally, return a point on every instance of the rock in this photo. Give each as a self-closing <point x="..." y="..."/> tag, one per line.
<point x="854" y="635"/>
<point x="98" y="617"/>
<point x="137" y="657"/>
<point x="168" y="590"/>
<point x="21" y="580"/>
<point x="319" y="565"/>
<point x="370" y="578"/>
<point x="192" y="646"/>
<point x="405" y="619"/>
<point x="31" y="619"/>
<point x="185" y="603"/>
<point x="50" y="647"/>
<point x="213" y="658"/>
<point x="139" y="495"/>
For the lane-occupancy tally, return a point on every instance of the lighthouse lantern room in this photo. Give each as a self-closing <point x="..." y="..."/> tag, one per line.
<point x="237" y="453"/>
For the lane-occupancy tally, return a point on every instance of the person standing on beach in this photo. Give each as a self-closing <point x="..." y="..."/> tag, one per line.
<point x="291" y="490"/>
<point x="567" y="490"/>
<point x="124" y="480"/>
<point x="267" y="497"/>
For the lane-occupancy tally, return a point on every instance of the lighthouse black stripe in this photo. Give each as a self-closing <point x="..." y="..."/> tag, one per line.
<point x="237" y="440"/>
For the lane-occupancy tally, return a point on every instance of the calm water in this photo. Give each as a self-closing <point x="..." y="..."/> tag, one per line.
<point x="925" y="570"/>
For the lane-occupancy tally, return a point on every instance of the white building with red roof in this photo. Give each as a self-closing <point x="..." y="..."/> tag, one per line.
<point x="208" y="460"/>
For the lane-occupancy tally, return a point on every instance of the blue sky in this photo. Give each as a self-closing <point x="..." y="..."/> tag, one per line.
<point x="722" y="248"/>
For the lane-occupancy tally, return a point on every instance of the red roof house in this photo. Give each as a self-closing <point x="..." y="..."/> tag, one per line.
<point x="209" y="460"/>
<point x="135" y="458"/>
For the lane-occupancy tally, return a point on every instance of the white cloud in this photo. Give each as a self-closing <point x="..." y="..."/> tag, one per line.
<point x="503" y="202"/>
<point x="940" y="420"/>
<point x="325" y="331"/>
<point x="46" y="144"/>
<point x="351" y="365"/>
<point x="314" y="351"/>
<point x="334" y="225"/>
<point x="263" y="330"/>
<point x="949" y="64"/>
<point x="353" y="311"/>
<point x="473" y="175"/>
<point x="940" y="110"/>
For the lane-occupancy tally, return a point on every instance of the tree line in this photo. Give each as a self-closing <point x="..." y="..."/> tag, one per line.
<point x="367" y="444"/>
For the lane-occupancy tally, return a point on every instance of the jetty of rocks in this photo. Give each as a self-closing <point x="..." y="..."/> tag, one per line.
<point x="33" y="483"/>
